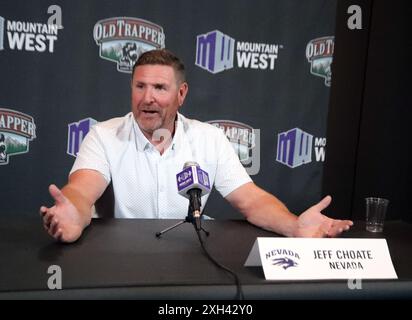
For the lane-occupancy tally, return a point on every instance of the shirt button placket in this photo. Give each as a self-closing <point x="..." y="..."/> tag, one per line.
<point x="161" y="187"/>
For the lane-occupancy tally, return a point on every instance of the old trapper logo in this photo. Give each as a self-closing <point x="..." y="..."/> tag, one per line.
<point x="124" y="39"/>
<point x="244" y="142"/>
<point x="319" y="53"/>
<point x="16" y="131"/>
<point x="283" y="258"/>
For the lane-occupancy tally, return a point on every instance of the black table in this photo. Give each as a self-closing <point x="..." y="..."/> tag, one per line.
<point x="122" y="259"/>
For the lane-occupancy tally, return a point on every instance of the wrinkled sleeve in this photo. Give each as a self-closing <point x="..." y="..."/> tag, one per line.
<point x="92" y="155"/>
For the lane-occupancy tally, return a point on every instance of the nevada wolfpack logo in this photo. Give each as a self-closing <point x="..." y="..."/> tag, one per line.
<point x="319" y="53"/>
<point x="17" y="129"/>
<point x="284" y="258"/>
<point x="284" y="263"/>
<point x="124" y="39"/>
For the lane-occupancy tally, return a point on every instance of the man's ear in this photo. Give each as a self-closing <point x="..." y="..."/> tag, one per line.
<point x="181" y="95"/>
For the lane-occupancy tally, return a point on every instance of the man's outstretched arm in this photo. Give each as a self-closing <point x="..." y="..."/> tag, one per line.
<point x="72" y="210"/>
<point x="266" y="211"/>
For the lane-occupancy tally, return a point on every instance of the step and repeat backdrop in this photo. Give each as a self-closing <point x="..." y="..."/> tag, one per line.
<point x="259" y="70"/>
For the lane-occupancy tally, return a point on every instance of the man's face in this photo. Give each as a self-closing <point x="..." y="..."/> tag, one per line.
<point x="156" y="97"/>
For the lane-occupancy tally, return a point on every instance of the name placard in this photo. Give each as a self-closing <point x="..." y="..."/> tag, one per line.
<point x="321" y="258"/>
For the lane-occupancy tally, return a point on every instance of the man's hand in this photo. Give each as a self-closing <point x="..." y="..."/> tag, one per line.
<point x="312" y="223"/>
<point x="62" y="221"/>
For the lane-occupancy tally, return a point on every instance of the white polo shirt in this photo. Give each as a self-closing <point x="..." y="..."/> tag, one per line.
<point x="144" y="182"/>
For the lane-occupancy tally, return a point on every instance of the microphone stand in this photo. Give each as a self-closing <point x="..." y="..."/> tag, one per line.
<point x="193" y="215"/>
<point x="188" y="218"/>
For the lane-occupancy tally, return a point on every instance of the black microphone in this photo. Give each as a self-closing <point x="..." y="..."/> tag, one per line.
<point x="193" y="183"/>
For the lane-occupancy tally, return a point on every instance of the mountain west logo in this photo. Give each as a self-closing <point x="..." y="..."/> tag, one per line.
<point x="215" y="53"/>
<point x="1" y="33"/>
<point x="295" y="148"/>
<point x="319" y="53"/>
<point x="28" y="36"/>
<point x="16" y="131"/>
<point x="76" y="133"/>
<point x="123" y="40"/>
<point x="283" y="258"/>
<point x="245" y="141"/>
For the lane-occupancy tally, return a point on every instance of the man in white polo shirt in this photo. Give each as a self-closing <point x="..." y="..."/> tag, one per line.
<point x="141" y="153"/>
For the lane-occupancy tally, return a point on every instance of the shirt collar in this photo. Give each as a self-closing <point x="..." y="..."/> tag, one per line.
<point x="142" y="143"/>
<point x="179" y="133"/>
